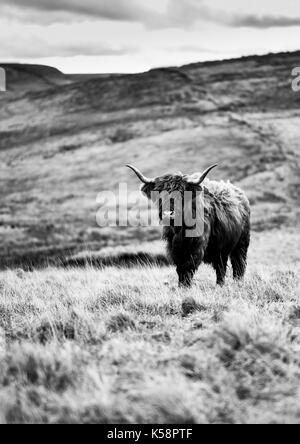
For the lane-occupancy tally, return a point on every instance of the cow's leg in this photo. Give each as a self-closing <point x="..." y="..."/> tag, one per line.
<point x="239" y="256"/>
<point x="187" y="254"/>
<point x="220" y="265"/>
<point x="185" y="275"/>
<point x="187" y="270"/>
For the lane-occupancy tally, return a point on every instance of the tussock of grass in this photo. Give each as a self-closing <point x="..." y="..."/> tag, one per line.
<point x="120" y="322"/>
<point x="189" y="306"/>
<point x="294" y="316"/>
<point x="263" y="356"/>
<point x="126" y="345"/>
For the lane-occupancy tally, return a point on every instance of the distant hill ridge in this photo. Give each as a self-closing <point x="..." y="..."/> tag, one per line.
<point x="31" y="77"/>
<point x="43" y="76"/>
<point x="35" y="69"/>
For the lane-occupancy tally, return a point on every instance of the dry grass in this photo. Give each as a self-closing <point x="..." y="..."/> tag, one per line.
<point x="126" y="345"/>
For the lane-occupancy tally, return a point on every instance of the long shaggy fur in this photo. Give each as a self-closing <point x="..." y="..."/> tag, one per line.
<point x="226" y="231"/>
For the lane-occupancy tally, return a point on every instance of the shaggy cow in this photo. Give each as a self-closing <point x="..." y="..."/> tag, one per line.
<point x="225" y="230"/>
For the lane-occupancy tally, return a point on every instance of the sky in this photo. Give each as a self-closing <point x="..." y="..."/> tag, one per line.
<point x="105" y="36"/>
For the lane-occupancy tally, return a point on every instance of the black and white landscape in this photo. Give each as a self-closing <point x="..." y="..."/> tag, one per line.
<point x="93" y="325"/>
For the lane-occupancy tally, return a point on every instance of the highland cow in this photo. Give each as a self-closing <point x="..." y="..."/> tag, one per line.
<point x="225" y="232"/>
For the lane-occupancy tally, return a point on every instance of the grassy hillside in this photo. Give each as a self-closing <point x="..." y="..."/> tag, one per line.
<point x="101" y="333"/>
<point x="66" y="138"/>
<point x="126" y="345"/>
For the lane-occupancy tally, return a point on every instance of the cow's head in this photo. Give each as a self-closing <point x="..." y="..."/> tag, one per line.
<point x="172" y="192"/>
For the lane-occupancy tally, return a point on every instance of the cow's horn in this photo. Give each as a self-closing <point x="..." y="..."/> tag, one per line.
<point x="198" y="178"/>
<point x="142" y="178"/>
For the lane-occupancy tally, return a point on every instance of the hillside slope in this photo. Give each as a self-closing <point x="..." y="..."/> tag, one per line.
<point x="66" y="138"/>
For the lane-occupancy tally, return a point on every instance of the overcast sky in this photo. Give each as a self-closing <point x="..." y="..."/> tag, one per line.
<point x="136" y="35"/>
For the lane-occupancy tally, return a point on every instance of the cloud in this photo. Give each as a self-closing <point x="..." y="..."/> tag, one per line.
<point x="57" y="40"/>
<point x="119" y="10"/>
<point x="192" y="48"/>
<point x="154" y="14"/>
<point x="264" y="22"/>
<point x="185" y="13"/>
<point x="42" y="50"/>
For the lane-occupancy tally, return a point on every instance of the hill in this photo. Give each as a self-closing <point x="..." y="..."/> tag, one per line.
<point x="66" y="138"/>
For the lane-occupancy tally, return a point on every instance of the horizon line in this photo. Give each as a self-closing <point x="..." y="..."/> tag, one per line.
<point x="203" y="62"/>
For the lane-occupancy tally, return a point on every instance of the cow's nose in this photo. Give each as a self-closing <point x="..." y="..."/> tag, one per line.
<point x="169" y="215"/>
